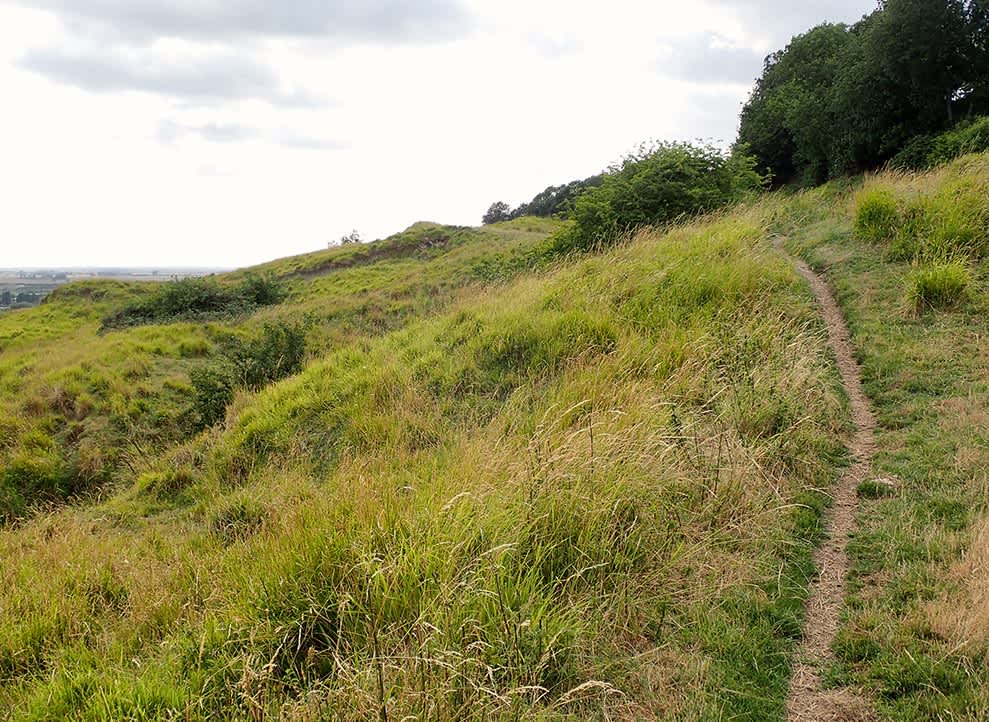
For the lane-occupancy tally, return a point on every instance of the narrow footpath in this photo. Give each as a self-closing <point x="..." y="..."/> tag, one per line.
<point x="806" y="700"/>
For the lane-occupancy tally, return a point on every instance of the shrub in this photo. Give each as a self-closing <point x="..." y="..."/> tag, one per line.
<point x="915" y="155"/>
<point x="277" y="353"/>
<point x="261" y="290"/>
<point x="969" y="137"/>
<point x="655" y="185"/>
<point x="214" y="390"/>
<point x="876" y="215"/>
<point x="940" y="285"/>
<point x="927" y="151"/>
<point x="197" y="299"/>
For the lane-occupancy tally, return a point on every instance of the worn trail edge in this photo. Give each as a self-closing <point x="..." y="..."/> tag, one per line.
<point x="806" y="701"/>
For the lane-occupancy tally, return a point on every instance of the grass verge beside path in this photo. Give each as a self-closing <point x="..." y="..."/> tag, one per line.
<point x="916" y="627"/>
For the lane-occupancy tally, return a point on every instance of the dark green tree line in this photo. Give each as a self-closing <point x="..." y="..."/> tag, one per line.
<point x="841" y="99"/>
<point x="553" y="202"/>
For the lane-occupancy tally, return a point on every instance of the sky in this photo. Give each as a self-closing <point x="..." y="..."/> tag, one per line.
<point x="225" y="133"/>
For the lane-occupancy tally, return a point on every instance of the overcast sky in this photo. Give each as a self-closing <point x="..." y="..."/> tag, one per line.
<point x="228" y="132"/>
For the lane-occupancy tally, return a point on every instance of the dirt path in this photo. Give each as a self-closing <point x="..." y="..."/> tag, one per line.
<point x="806" y="701"/>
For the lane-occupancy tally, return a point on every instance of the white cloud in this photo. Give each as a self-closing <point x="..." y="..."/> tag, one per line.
<point x="375" y="20"/>
<point x="211" y="163"/>
<point x="196" y="76"/>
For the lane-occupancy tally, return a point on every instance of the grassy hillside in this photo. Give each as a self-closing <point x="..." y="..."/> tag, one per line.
<point x="82" y="406"/>
<point x="509" y="488"/>
<point x="591" y="491"/>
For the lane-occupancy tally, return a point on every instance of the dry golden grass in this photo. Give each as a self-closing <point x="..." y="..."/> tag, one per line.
<point x="590" y="493"/>
<point x="963" y="617"/>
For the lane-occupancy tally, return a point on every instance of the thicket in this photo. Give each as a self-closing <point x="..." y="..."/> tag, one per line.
<point x="842" y="99"/>
<point x="191" y="299"/>
<point x="656" y="184"/>
<point x="926" y="151"/>
<point x="553" y="202"/>
<point x="278" y="352"/>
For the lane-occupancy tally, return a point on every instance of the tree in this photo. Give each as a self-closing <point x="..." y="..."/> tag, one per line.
<point x="556" y="201"/>
<point x="497" y="212"/>
<point x="787" y="123"/>
<point x="839" y="100"/>
<point x="657" y="184"/>
<point x="925" y="47"/>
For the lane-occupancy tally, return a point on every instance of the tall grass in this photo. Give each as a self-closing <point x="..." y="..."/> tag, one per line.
<point x="590" y="493"/>
<point x="89" y="410"/>
<point x="938" y="221"/>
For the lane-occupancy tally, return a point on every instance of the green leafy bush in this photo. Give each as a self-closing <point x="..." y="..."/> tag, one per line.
<point x="197" y="299"/>
<point x="924" y="152"/>
<point x="261" y="290"/>
<point x="915" y="155"/>
<point x="277" y="353"/>
<point x="941" y="285"/>
<point x="969" y="137"/>
<point x="876" y="215"/>
<point x="654" y="185"/>
<point x="213" y="386"/>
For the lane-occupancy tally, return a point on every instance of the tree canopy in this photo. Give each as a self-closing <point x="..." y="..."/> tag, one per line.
<point x="842" y="99"/>
<point x="553" y="202"/>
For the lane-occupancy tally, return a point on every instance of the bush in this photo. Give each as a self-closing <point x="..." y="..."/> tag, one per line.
<point x="969" y="137"/>
<point x="915" y="155"/>
<point x="941" y="285"/>
<point x="876" y="215"/>
<point x="214" y="390"/>
<point x="655" y="185"/>
<point x="924" y="152"/>
<point x="261" y="290"/>
<point x="277" y="353"/>
<point x="191" y="299"/>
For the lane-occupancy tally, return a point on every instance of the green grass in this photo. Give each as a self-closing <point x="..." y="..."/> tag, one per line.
<point x="588" y="491"/>
<point x="914" y="633"/>
<point x="503" y="486"/>
<point x="84" y="409"/>
<point x="943" y="285"/>
<point x="876" y="215"/>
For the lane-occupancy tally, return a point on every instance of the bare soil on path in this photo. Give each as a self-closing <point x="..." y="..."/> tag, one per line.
<point x="806" y="700"/>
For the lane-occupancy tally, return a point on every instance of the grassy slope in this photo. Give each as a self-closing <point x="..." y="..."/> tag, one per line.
<point x="79" y="410"/>
<point x="917" y="625"/>
<point x="588" y="492"/>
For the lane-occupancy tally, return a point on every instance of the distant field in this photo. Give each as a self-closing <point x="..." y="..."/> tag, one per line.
<point x="25" y="288"/>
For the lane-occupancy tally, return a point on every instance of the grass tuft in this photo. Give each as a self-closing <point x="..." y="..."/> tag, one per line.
<point x="876" y="214"/>
<point x="939" y="286"/>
